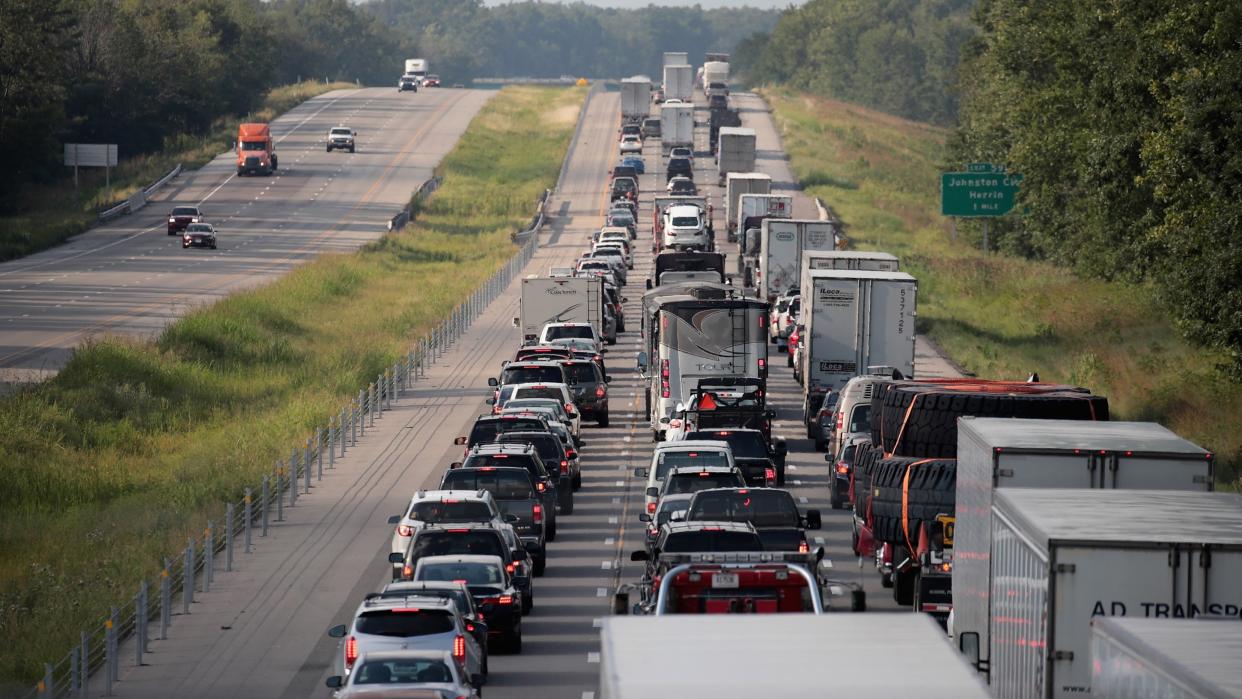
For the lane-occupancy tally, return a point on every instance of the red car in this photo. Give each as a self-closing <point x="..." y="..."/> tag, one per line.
<point x="182" y="216"/>
<point x="431" y="81"/>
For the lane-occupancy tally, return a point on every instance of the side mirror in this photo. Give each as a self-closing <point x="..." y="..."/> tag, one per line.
<point x="607" y="379"/>
<point x="455" y="464"/>
<point x="829" y="458"/>
<point x="649" y="285"/>
<point x="644" y="517"/>
<point x="642" y="361"/>
<point x="459" y="441"/>
<point x="516" y="321"/>
<point x="491" y="381"/>
<point x="490" y="401"/>
<point x="624" y="299"/>
<point x="653" y="492"/>
<point x="337" y="631"/>
<point x="664" y="420"/>
<point x="770" y="414"/>
<point x="968" y="643"/>
<point x="395" y="557"/>
<point x="621" y="603"/>
<point x="637" y="557"/>
<point x="395" y="519"/>
<point x="813" y="519"/>
<point x="334" y="682"/>
<point x="640" y="472"/>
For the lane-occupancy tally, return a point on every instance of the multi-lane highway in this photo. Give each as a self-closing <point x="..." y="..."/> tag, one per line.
<point x="129" y="277"/>
<point x="261" y="630"/>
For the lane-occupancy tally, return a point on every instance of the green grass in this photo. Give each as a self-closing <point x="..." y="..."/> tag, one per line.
<point x="999" y="316"/>
<point x="109" y="465"/>
<point x="44" y="215"/>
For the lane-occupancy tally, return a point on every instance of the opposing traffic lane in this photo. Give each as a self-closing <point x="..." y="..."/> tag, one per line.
<point x="129" y="277"/>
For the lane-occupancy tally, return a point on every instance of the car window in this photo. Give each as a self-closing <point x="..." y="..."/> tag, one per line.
<point x="581" y="372"/>
<point x="486" y="431"/>
<point x="558" y="331"/>
<point x="665" y="513"/>
<point x="403" y="623"/>
<point x="685" y="221"/>
<point x="860" y="419"/>
<point x="745" y="445"/>
<point x="672" y="459"/>
<point x="405" y="671"/>
<point x="526" y="395"/>
<point x="503" y="485"/>
<point x="473" y="573"/>
<point x="450" y="511"/>
<point x="198" y="228"/>
<point x="463" y="542"/>
<point x="694" y="482"/>
<point x="184" y="211"/>
<point x="711" y="540"/>
<point x="548" y="446"/>
<point x="762" y="508"/>
<point x="534" y="374"/>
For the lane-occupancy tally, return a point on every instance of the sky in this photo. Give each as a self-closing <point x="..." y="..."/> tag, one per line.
<point x="707" y="4"/>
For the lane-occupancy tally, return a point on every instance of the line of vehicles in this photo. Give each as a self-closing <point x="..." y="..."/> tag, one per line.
<point x="416" y="75"/>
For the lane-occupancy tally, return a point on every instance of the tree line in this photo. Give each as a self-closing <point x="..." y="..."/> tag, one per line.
<point x="1124" y="118"/>
<point x="898" y="56"/>
<point x="133" y="72"/>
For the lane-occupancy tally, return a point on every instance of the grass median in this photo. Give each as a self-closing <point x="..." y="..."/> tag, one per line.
<point x="44" y="215"/>
<point x="111" y="464"/>
<point x="1000" y="316"/>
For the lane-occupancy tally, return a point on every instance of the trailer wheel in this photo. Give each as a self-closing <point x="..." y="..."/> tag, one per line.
<point x="903" y="587"/>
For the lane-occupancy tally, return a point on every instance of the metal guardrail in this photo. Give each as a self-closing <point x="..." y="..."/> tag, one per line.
<point x="402" y="219"/>
<point x="149" y="613"/>
<point x="139" y="199"/>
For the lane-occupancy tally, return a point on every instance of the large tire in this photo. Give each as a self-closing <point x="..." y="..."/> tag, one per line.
<point x="864" y="465"/>
<point x="903" y="587"/>
<point x="920" y="419"/>
<point x="929" y="491"/>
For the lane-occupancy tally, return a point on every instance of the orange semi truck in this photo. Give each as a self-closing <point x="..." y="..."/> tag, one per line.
<point x="256" y="151"/>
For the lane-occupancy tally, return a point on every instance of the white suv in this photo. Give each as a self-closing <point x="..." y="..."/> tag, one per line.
<point x="415" y="623"/>
<point x="556" y="331"/>
<point x="342" y="138"/>
<point x="442" y="507"/>
<point x="688" y="452"/>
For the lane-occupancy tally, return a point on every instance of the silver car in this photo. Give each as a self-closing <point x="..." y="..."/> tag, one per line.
<point x="408" y="623"/>
<point x="408" y="674"/>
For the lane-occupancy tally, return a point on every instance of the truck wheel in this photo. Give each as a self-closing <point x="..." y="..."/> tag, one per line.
<point x="327" y="149"/>
<point x="567" y="505"/>
<point x="578" y="480"/>
<point x="540" y="564"/>
<point x="788" y="358"/>
<point x="780" y="475"/>
<point x="903" y="587"/>
<point x="351" y="149"/>
<point x="886" y="581"/>
<point x="603" y="420"/>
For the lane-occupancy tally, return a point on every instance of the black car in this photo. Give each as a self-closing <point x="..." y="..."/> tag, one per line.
<point x="590" y="389"/>
<point x="547" y="482"/>
<point x="551" y="451"/>
<point x="199" y="235"/>
<point x="751" y="453"/>
<point x="771" y="511"/>
<point x="624" y="171"/>
<point x="842" y="465"/>
<point x="514" y="491"/>
<point x="486" y="427"/>
<point x="679" y="167"/>
<point x="492" y="589"/>
<point x="682" y="188"/>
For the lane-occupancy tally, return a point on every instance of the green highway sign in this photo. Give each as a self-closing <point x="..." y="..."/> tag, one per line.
<point x="986" y="190"/>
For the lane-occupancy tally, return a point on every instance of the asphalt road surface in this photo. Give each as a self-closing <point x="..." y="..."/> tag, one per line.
<point x="130" y="277"/>
<point x="261" y="631"/>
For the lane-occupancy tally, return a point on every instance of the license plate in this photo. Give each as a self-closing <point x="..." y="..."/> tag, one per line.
<point x="725" y="580"/>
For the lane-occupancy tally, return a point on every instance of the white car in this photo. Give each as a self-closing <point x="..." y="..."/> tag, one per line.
<point x="691" y="452"/>
<point x="442" y="506"/>
<point x="685" y="228"/>
<point x="341" y="138"/>
<point x="406" y="673"/>
<point x="682" y="152"/>
<point x="556" y="331"/>
<point x="407" y="623"/>
<point x="619" y="234"/>
<point x="631" y="143"/>
<point x="556" y="396"/>
<point x="619" y="270"/>
<point x="591" y="267"/>
<point x="622" y="247"/>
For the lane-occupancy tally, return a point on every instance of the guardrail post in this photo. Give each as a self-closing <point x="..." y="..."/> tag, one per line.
<point x="306" y="465"/>
<point x="228" y="538"/>
<point x="165" y="599"/>
<point x="46" y="688"/>
<point x="265" y="496"/>
<point x="293" y="477"/>
<point x="248" y="514"/>
<point x="187" y="579"/>
<point x="140" y="623"/>
<point x="209" y="555"/>
<point x="371" y="395"/>
<point x="84" y="664"/>
<point x="319" y="451"/>
<point x="109" y="652"/>
<point x="377" y="399"/>
<point x="74" y="683"/>
<point x="280" y="495"/>
<point x="340" y="431"/>
<point x="362" y="401"/>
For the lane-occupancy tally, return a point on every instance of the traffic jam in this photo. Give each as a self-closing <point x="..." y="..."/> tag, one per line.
<point x="725" y="349"/>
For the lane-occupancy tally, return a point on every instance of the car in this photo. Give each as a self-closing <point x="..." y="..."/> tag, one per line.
<point x="657" y="95"/>
<point x="553" y="408"/>
<point x="486" y="427"/>
<point x="532" y="370"/>
<point x="613" y="233"/>
<point x="431" y="81"/>
<point x="672" y="505"/>
<point x="622" y="250"/>
<point x="670" y="455"/>
<point x="682" y="187"/>
<point x="534" y="504"/>
<point x="182" y="216"/>
<point x="407" y="673"/>
<point x="199" y="235"/>
<point x="551" y="451"/>
<point x="783" y="320"/>
<point x="842" y="464"/>
<point x="615" y="261"/>
<point x="491" y="587"/>
<point x="575" y="345"/>
<point x="630" y="129"/>
<point x="761" y="464"/>
<point x="795" y="346"/>
<point x="772" y="512"/>
<point x="601" y="268"/>
<point x="631" y="143"/>
<point x="408" y="83"/>
<point x="637" y="163"/>
<point x="483" y="538"/>
<point x="556" y="331"/>
<point x="651" y="127"/>
<point x="622" y="218"/>
<point x="454" y="591"/>
<point x="699" y="537"/>
<point x="624" y="171"/>
<point x="392" y="623"/>
<point x="528" y="353"/>
<point x="682" y="167"/>
<point x="627" y="204"/>
<point x="341" y="138"/>
<point x="717" y="102"/>
<point x="443" y="507"/>
<point x="624" y="188"/>
<point x="589" y="385"/>
<point x="851" y="416"/>
<point x="681" y="152"/>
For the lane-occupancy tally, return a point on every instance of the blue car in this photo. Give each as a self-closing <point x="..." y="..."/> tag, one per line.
<point x="636" y="163"/>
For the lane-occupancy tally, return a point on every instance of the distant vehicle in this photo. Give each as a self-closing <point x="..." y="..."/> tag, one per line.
<point x="431" y="81"/>
<point x="715" y="102"/>
<point x="490" y="585"/>
<point x="407" y="83"/>
<point x="182" y="216"/>
<point x="624" y="188"/>
<point x="199" y="235"/>
<point x="256" y="151"/>
<point x="392" y="623"/>
<point x="631" y="130"/>
<point x="624" y="171"/>
<point x="416" y="67"/>
<point x="651" y="127"/>
<point x="409" y="672"/>
<point x="636" y="163"/>
<point x="771" y="511"/>
<point x="442" y="507"/>
<point x="682" y="187"/>
<point x="631" y="144"/>
<point x="680" y="167"/>
<point x="341" y="138"/>
<point x="682" y="152"/>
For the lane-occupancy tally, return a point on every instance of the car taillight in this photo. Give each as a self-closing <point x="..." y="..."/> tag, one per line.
<point x="459" y="648"/>
<point x="537" y="512"/>
<point x="651" y="507"/>
<point x="664" y="392"/>
<point x="763" y="368"/>
<point x="570" y="453"/>
<point x="840" y="420"/>
<point x="405" y="530"/>
<point x="351" y="651"/>
<point x="664" y="368"/>
<point x="803" y="548"/>
<point x="842" y="467"/>
<point x="769" y="474"/>
<point x="541" y="486"/>
<point x="600" y="392"/>
<point x="505" y="599"/>
<point x="407" y="572"/>
<point x="564" y="466"/>
<point x="512" y="568"/>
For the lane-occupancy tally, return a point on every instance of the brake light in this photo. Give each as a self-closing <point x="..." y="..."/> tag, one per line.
<point x="803" y="548"/>
<point x="459" y="648"/>
<point x="406" y="610"/>
<point x="541" y="486"/>
<point x="704" y="474"/>
<point x="407" y="572"/>
<point x="763" y="368"/>
<point x="505" y="599"/>
<point x="664" y="392"/>
<point x="651" y="507"/>
<point x="769" y="474"/>
<point x="840" y="421"/>
<point x="405" y="530"/>
<point x="664" y="368"/>
<point x="511" y="568"/>
<point x="537" y="512"/>
<point x="351" y="651"/>
<point x="570" y="453"/>
<point x="842" y="467"/>
<point x="600" y="392"/>
<point x="564" y="466"/>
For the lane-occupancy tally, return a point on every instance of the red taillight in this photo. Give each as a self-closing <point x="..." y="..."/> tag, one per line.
<point x="600" y="392"/>
<point x="512" y="568"/>
<point x="769" y="474"/>
<point x="564" y="466"/>
<point x="537" y="512"/>
<point x="664" y="389"/>
<point x="570" y="453"/>
<point x="763" y="320"/>
<point x="541" y="486"/>
<point x="840" y="420"/>
<point x="842" y="468"/>
<point x="405" y="530"/>
<point x="505" y="599"/>
<point x="664" y="368"/>
<point x="459" y="648"/>
<point x="763" y="368"/>
<point x="651" y="507"/>
<point x="407" y="572"/>
<point x="351" y="651"/>
<point x="803" y="548"/>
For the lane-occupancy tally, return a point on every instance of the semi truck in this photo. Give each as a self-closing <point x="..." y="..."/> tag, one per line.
<point x="735" y="151"/>
<point x="1173" y="658"/>
<point x="687" y="338"/>
<point x="737" y="184"/>
<point x="776" y="655"/>
<point x="752" y="210"/>
<point x="678" y="82"/>
<point x="675" y="58"/>
<point x="676" y="125"/>
<point x="1062" y="557"/>
<point x="1020" y="453"/>
<point x="635" y="97"/>
<point x="256" y="151"/>
<point x="850" y="259"/>
<point x="854" y="320"/>
<point x="560" y="300"/>
<point x="715" y="78"/>
<point x="782" y="244"/>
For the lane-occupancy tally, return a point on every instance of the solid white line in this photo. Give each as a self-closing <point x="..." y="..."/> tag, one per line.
<point x="620" y="483"/>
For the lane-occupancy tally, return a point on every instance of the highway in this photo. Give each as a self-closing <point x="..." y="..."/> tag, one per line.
<point x="130" y="278"/>
<point x="261" y="631"/>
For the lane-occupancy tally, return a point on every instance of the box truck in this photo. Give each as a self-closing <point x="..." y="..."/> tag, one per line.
<point x="715" y="78"/>
<point x="855" y="319"/>
<point x="635" y="97"/>
<point x="772" y="655"/>
<point x="1064" y="556"/>
<point x="1017" y="453"/>
<point x="1168" y="658"/>
<point x="676" y="125"/>
<point x="416" y="67"/>
<point x="678" y="82"/>
<point x="782" y="243"/>
<point x="560" y="300"/>
<point x="850" y="259"/>
<point x="737" y="184"/>
<point x="675" y="58"/>
<point x="735" y="151"/>
<point x="752" y="209"/>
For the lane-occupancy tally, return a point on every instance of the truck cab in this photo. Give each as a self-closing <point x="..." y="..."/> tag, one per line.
<point x="256" y="151"/>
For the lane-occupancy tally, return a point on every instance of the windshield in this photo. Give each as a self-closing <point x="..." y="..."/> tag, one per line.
<point x="403" y="623"/>
<point x="403" y="671"/>
<point x="745" y="445"/>
<point x="485" y="432"/>
<point x="694" y="482"/>
<point x="465" y="542"/>
<point x="184" y="211"/>
<point x="673" y="459"/>
<point x="581" y="372"/>
<point x="537" y="398"/>
<point x="556" y="332"/>
<point x="449" y="511"/>
<point x="762" y="508"/>
<point x="461" y="598"/>
<point x="473" y="573"/>
<point x="668" y="509"/>
<point x="198" y="228"/>
<point x="254" y="145"/>
<point x="503" y="485"/>
<point x="621" y="218"/>
<point x="711" y="540"/>
<point x="685" y="221"/>
<point x="860" y="419"/>
<point x="340" y="132"/>
<point x="533" y="374"/>
<point x="547" y="445"/>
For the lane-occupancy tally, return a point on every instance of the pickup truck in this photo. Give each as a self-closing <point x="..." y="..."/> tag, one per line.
<point x="341" y="138"/>
<point x="771" y="511"/>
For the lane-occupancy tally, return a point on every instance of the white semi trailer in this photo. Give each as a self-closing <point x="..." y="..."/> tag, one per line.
<point x="678" y="82"/>
<point x="782" y="244"/>
<point x="676" y="58"/>
<point x="849" y="259"/>
<point x="735" y="151"/>
<point x="635" y="97"/>
<point x="1166" y="658"/>
<point x="560" y="300"/>
<point x="737" y="184"/>
<point x="676" y="125"/>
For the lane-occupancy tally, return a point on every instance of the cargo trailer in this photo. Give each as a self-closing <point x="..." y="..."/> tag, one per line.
<point x="1166" y="658"/>
<point x="676" y="126"/>
<point x="735" y="151"/>
<point x="635" y="97"/>
<point x="850" y="259"/>
<point x="737" y="184"/>
<point x="782" y="244"/>
<point x="560" y="300"/>
<point x="676" y="58"/>
<point x="678" y="82"/>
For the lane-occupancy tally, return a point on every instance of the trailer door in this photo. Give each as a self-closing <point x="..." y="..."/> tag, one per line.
<point x="889" y="327"/>
<point x="1138" y="472"/>
<point x="834" y="329"/>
